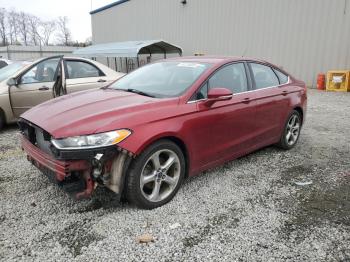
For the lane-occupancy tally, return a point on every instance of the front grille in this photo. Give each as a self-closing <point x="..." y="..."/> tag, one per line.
<point x="37" y="136"/>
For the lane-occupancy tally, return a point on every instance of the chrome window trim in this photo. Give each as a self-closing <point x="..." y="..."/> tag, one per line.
<point x="288" y="82"/>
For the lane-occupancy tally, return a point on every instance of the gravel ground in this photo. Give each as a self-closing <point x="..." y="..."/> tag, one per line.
<point x="249" y="209"/>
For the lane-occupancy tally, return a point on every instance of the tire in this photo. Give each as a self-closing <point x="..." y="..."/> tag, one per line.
<point x="147" y="175"/>
<point x="291" y="131"/>
<point x="2" y="120"/>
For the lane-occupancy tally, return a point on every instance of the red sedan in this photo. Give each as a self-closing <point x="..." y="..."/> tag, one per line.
<point x="143" y="134"/>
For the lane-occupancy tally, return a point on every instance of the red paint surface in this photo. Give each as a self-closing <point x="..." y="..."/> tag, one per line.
<point x="41" y="159"/>
<point x="211" y="134"/>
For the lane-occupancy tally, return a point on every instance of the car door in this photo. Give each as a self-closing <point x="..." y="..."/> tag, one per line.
<point x="34" y="86"/>
<point x="82" y="75"/>
<point x="227" y="126"/>
<point x="272" y="103"/>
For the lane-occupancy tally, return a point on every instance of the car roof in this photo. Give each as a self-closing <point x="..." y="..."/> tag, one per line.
<point x="215" y="59"/>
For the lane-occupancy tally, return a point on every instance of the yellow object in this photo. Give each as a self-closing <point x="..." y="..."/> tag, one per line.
<point x="338" y="81"/>
<point x="122" y="134"/>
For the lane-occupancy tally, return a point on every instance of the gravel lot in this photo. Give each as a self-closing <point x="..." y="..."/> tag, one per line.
<point x="249" y="209"/>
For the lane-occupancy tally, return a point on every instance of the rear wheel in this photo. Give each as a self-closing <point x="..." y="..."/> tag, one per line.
<point x="291" y="131"/>
<point x="156" y="175"/>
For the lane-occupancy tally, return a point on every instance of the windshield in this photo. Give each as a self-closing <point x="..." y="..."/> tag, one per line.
<point x="163" y="79"/>
<point x="9" y="70"/>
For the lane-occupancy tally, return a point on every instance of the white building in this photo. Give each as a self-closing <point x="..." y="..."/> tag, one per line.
<point x="306" y="37"/>
<point x="19" y="52"/>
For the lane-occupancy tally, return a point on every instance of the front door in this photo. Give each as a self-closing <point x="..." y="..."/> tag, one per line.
<point x="227" y="127"/>
<point x="34" y="86"/>
<point x="82" y="75"/>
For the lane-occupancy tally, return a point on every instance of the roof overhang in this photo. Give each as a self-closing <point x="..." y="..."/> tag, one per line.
<point x="108" y="6"/>
<point x="129" y="49"/>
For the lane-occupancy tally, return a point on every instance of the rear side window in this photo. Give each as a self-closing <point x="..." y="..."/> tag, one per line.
<point x="263" y="76"/>
<point x="282" y="77"/>
<point x="232" y="77"/>
<point x="80" y="69"/>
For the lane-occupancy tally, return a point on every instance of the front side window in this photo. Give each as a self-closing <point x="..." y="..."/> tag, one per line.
<point x="263" y="76"/>
<point x="232" y="77"/>
<point x="41" y="72"/>
<point x="163" y="79"/>
<point x="201" y="94"/>
<point x="80" y="69"/>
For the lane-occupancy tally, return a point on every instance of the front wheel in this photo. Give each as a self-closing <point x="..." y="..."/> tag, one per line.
<point x="156" y="175"/>
<point x="291" y="131"/>
<point x="2" y="120"/>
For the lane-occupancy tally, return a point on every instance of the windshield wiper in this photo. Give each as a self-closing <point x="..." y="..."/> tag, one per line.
<point x="131" y="90"/>
<point x="138" y="92"/>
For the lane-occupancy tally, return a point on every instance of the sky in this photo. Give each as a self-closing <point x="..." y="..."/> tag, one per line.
<point x="77" y="12"/>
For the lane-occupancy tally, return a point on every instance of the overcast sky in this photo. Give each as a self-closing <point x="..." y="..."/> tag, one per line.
<point x="77" y="12"/>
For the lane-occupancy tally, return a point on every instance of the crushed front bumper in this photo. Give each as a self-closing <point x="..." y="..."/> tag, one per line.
<point x="62" y="172"/>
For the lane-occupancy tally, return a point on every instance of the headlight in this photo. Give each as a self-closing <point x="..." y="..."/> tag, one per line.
<point x="92" y="141"/>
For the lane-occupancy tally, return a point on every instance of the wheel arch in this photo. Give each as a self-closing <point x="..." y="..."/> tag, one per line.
<point x="301" y="112"/>
<point x="175" y="139"/>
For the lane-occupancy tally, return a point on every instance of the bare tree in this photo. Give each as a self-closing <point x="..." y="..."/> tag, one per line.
<point x="64" y="34"/>
<point x="3" y="27"/>
<point x="23" y="26"/>
<point x="46" y="30"/>
<point x="12" y="21"/>
<point x="33" y="30"/>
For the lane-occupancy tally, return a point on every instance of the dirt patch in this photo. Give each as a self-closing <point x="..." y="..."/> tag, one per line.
<point x="203" y="233"/>
<point x="101" y="199"/>
<point x="297" y="173"/>
<point x="76" y="236"/>
<point x="318" y="206"/>
<point x="10" y="152"/>
<point x="6" y="179"/>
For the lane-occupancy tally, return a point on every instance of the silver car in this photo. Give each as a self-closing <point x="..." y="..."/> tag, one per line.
<point x="27" y="84"/>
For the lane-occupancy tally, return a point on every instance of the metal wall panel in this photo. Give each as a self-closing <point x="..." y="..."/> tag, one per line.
<point x="17" y="52"/>
<point x="304" y="37"/>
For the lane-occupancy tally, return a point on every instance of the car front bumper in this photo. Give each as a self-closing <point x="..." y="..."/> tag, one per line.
<point x="74" y="176"/>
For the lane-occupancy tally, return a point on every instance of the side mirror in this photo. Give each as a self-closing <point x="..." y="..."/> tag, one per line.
<point x="12" y="82"/>
<point x="218" y="94"/>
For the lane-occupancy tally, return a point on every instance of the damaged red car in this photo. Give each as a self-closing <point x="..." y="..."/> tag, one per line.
<point x="141" y="136"/>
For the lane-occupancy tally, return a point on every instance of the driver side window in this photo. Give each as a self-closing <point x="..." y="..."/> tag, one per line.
<point x="41" y="72"/>
<point x="232" y="77"/>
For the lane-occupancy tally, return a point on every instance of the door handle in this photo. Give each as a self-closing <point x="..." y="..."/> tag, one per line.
<point x="284" y="93"/>
<point x="43" y="88"/>
<point x="101" y="81"/>
<point x="246" y="100"/>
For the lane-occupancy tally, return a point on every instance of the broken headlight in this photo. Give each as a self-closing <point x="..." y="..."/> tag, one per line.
<point x="92" y="141"/>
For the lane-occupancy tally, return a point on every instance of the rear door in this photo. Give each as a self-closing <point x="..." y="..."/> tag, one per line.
<point x="82" y="75"/>
<point x="34" y="85"/>
<point x="272" y="102"/>
<point x="226" y="129"/>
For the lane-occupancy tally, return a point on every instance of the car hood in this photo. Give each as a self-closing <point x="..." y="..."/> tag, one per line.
<point x="96" y="111"/>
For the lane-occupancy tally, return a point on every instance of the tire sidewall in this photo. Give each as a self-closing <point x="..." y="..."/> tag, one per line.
<point x="136" y="169"/>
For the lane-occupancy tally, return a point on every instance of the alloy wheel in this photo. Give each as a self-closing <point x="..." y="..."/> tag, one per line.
<point x="293" y="130"/>
<point x="160" y="175"/>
